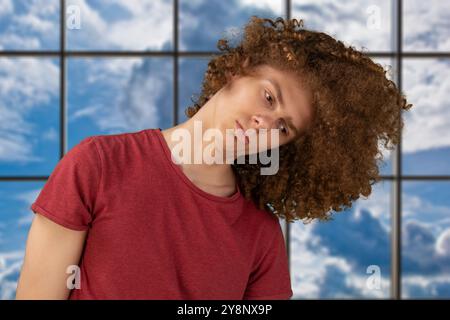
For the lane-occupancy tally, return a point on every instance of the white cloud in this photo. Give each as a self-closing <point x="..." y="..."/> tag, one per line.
<point x="25" y="84"/>
<point x="423" y="210"/>
<point x="423" y="286"/>
<point x="17" y="148"/>
<point x="27" y="198"/>
<point x="31" y="28"/>
<point x="43" y="7"/>
<point x="90" y="21"/>
<point x="317" y="273"/>
<point x="307" y="268"/>
<point x="274" y="6"/>
<point x="427" y="86"/>
<point x="139" y="85"/>
<point x="378" y="204"/>
<point x="51" y="134"/>
<point x="36" y="23"/>
<point x="425" y="253"/>
<point x="6" y="7"/>
<point x="23" y="42"/>
<point x="9" y="270"/>
<point x="14" y="136"/>
<point x="138" y="33"/>
<point x="148" y="26"/>
<point x="140" y="27"/>
<point x="349" y="21"/>
<point x="85" y="112"/>
<point x="110" y="71"/>
<point x="426" y="25"/>
<point x="310" y="269"/>
<point x="443" y="243"/>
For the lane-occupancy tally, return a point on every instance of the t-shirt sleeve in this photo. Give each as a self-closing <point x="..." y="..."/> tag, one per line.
<point x="270" y="279"/>
<point x="69" y="194"/>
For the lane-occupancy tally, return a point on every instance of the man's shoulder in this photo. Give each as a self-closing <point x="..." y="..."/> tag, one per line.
<point x="124" y="139"/>
<point x="263" y="216"/>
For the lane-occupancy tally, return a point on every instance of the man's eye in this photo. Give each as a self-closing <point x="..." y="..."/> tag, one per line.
<point x="284" y="130"/>
<point x="282" y="127"/>
<point x="270" y="97"/>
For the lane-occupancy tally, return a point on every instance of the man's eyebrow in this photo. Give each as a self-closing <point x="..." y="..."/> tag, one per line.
<point x="279" y="97"/>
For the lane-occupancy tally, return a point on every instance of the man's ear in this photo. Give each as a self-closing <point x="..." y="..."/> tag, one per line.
<point x="246" y="62"/>
<point x="231" y="76"/>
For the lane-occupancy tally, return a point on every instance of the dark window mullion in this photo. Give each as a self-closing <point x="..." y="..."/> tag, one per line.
<point x="62" y="81"/>
<point x="286" y="224"/>
<point x="175" y="62"/>
<point x="396" y="192"/>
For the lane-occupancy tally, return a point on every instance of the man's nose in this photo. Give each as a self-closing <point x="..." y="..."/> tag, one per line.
<point x="263" y="122"/>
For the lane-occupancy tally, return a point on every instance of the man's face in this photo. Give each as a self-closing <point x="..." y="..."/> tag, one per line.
<point x="269" y="99"/>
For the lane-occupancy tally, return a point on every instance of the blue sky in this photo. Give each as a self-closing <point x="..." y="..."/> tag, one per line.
<point x="113" y="95"/>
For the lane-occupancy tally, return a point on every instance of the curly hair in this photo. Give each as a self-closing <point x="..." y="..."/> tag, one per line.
<point x="356" y="110"/>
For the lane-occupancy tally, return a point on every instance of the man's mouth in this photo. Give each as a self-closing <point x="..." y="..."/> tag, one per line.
<point x="241" y="132"/>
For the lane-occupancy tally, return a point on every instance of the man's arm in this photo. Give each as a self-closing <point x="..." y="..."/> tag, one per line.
<point x="50" y="249"/>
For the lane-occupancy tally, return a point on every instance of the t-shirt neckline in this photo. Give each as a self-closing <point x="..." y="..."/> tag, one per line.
<point x="186" y="180"/>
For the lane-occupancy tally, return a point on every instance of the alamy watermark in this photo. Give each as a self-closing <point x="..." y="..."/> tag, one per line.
<point x="73" y="281"/>
<point x="249" y="142"/>
<point x="73" y="17"/>
<point x="373" y="282"/>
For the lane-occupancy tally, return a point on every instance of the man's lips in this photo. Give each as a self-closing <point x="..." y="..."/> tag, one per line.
<point x="239" y="125"/>
<point x="241" y="132"/>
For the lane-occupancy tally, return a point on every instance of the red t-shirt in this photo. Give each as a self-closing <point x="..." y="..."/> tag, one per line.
<point x="153" y="234"/>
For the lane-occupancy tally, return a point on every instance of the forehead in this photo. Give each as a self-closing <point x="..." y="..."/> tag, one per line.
<point x="291" y="84"/>
<point x="295" y="95"/>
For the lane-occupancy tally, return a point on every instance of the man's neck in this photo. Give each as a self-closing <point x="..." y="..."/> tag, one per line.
<point x="215" y="175"/>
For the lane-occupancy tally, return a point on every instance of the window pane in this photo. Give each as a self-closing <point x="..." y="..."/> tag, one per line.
<point x="348" y="257"/>
<point x="15" y="220"/>
<point x="120" y="25"/>
<point x="203" y="22"/>
<point x="29" y="25"/>
<point x="364" y="23"/>
<point x="426" y="136"/>
<point x="386" y="166"/>
<point x="426" y="25"/>
<point x="426" y="239"/>
<point x="191" y="75"/>
<point x="109" y="95"/>
<point x="29" y="116"/>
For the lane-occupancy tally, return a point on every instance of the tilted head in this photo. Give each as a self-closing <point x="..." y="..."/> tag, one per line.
<point x="339" y="101"/>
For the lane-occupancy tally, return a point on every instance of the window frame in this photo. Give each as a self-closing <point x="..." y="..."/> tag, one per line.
<point x="396" y="55"/>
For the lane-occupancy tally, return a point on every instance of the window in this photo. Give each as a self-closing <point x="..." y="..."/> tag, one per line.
<point x="71" y="69"/>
